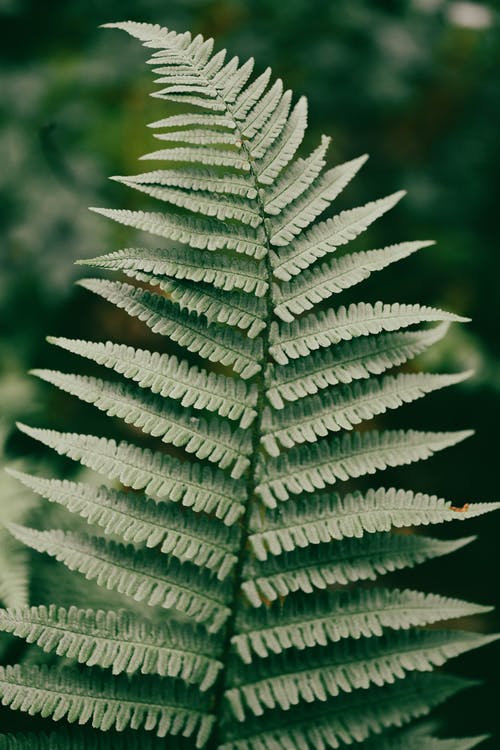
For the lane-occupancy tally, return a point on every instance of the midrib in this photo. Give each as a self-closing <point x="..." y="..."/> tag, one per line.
<point x="262" y="383"/>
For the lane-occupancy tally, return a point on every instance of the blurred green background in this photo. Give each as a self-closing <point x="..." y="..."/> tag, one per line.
<point x="416" y="83"/>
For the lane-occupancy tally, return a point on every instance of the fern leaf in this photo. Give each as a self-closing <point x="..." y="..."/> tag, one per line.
<point x="302" y="292"/>
<point x="213" y="342"/>
<point x="347" y="718"/>
<point x="348" y="361"/>
<point x="220" y="207"/>
<point x="321" y="673"/>
<point x="153" y="704"/>
<point x="328" y="235"/>
<point x="224" y="273"/>
<point x="198" y="233"/>
<point x="298" y="339"/>
<point x="311" y="467"/>
<point x="144" y="575"/>
<point x="160" y="476"/>
<point x="200" y="180"/>
<point x="171" y="378"/>
<point x="196" y="137"/>
<point x="302" y="621"/>
<point x="232" y="308"/>
<point x="256" y="119"/>
<point x="309" y="419"/>
<point x="295" y="180"/>
<point x="250" y="96"/>
<point x="283" y="150"/>
<point x="274" y="117"/>
<point x="119" y="640"/>
<point x="209" y="439"/>
<point x="318" y="567"/>
<point x="246" y="261"/>
<point x="303" y="211"/>
<point x="324" y="518"/>
<point x="138" y="519"/>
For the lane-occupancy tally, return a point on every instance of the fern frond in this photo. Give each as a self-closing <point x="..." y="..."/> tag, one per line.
<point x="214" y="342"/>
<point x="161" y="476"/>
<point x="210" y="439"/>
<point x="183" y="263"/>
<point x="159" y="706"/>
<point x="311" y="467"/>
<point x="320" y="518"/>
<point x="120" y="641"/>
<point x="171" y="378"/>
<point x="302" y="621"/>
<point x="300" y="338"/>
<point x="143" y="575"/>
<point x="138" y="519"/>
<point x="232" y="308"/>
<point x="203" y="179"/>
<point x="283" y="149"/>
<point x="315" y="417"/>
<point x="315" y="285"/>
<point x="349" y="561"/>
<point x="321" y="673"/>
<point x="295" y="180"/>
<point x="220" y="207"/>
<point x="236" y="287"/>
<point x="304" y="210"/>
<point x="348" y="718"/>
<point x="198" y="233"/>
<point x="267" y="121"/>
<point x="328" y="235"/>
<point x="348" y="361"/>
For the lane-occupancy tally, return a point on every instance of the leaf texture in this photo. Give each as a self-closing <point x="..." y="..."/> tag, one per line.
<point x="160" y="707"/>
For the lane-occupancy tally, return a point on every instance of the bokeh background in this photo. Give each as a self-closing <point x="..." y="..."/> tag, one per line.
<point x="416" y="83"/>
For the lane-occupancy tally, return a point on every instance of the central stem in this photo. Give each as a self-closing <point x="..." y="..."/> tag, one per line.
<point x="262" y="384"/>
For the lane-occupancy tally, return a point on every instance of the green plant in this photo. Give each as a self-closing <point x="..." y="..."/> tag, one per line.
<point x="261" y="648"/>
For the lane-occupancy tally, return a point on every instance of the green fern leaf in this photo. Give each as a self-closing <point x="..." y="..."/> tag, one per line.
<point x="298" y="339"/>
<point x="220" y="207"/>
<point x="302" y="292"/>
<point x="214" y="342"/>
<point x="347" y="719"/>
<point x="159" y="706"/>
<point x="211" y="439"/>
<point x="315" y="417"/>
<point x="302" y="621"/>
<point x="144" y="576"/>
<point x="118" y="640"/>
<point x="171" y="378"/>
<point x="321" y="673"/>
<point x="327" y="236"/>
<point x="309" y="468"/>
<point x="323" y="518"/>
<point x="348" y="361"/>
<point x="318" y="567"/>
<point x="244" y="628"/>
<point x="138" y="519"/>
<point x="161" y="476"/>
<point x="182" y="263"/>
<point x="295" y="180"/>
<point x="302" y="212"/>
<point x="233" y="308"/>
